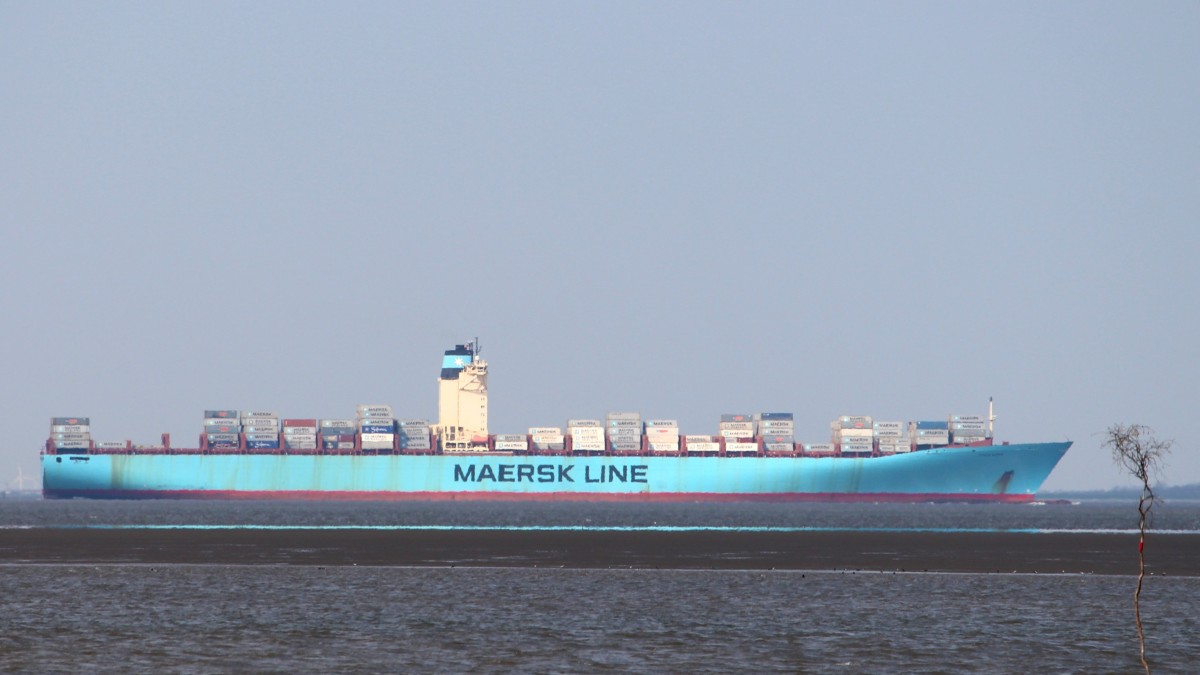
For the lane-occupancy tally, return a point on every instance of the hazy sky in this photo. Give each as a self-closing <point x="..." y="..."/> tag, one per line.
<point x="683" y="209"/>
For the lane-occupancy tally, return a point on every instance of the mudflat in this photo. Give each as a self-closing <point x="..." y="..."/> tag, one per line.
<point x="975" y="552"/>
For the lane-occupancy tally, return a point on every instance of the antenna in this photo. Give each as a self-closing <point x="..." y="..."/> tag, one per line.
<point x="991" y="420"/>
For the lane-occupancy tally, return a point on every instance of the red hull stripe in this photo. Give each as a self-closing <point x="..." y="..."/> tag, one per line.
<point x="313" y="495"/>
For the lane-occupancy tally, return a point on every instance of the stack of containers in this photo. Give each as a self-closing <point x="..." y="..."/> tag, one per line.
<point x="662" y="436"/>
<point x="702" y="445"/>
<point x="376" y="427"/>
<point x="261" y="429"/>
<point x="891" y="437"/>
<point x="855" y="434"/>
<point x="222" y="429"/>
<point x="512" y="443"/>
<point x="547" y="439"/>
<point x="927" y="434"/>
<point x="624" y="431"/>
<point x="300" y="435"/>
<point x="337" y="434"/>
<point x="72" y="434"/>
<point x="415" y="436"/>
<point x="586" y="435"/>
<point x="777" y="431"/>
<point x="736" y="427"/>
<point x="967" y="428"/>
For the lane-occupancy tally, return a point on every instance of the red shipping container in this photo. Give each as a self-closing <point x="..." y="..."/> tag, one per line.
<point x="300" y="423"/>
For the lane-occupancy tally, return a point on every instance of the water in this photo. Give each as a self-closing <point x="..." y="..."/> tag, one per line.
<point x="287" y="618"/>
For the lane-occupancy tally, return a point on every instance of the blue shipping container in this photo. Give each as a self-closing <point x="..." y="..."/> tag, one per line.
<point x="933" y="425"/>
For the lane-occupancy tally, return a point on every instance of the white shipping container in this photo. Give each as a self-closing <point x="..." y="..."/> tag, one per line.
<point x="511" y="438"/>
<point x="70" y="428"/>
<point x="71" y="437"/>
<point x="704" y="447"/>
<point x="261" y="429"/>
<point x="856" y="433"/>
<point x="110" y="445"/>
<point x="855" y="422"/>
<point x="968" y="426"/>
<point x="215" y="422"/>
<point x="818" y="447"/>
<point x="373" y="438"/>
<point x="299" y="430"/>
<point x="657" y="432"/>
<point x="967" y="418"/>
<point x="547" y="439"/>
<point x="740" y="426"/>
<point x="662" y="423"/>
<point x="338" y="423"/>
<point x="737" y="433"/>
<point x="740" y="448"/>
<point x="72" y="445"/>
<point x="345" y="445"/>
<point x="584" y="423"/>
<point x="776" y="424"/>
<point x="511" y="446"/>
<point x="586" y="432"/>
<point x="889" y="426"/>
<point x="301" y="438"/>
<point x="664" y="447"/>
<point x="588" y="446"/>
<point x="269" y="415"/>
<point x="374" y="409"/>
<point x="700" y="439"/>
<point x="374" y="445"/>
<point x="534" y="431"/>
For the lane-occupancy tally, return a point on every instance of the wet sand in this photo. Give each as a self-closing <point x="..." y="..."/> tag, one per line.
<point x="1093" y="553"/>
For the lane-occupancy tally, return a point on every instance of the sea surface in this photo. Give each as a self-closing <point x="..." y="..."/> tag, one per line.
<point x="305" y="618"/>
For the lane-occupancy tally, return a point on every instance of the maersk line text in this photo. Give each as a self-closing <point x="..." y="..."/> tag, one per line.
<point x="549" y="473"/>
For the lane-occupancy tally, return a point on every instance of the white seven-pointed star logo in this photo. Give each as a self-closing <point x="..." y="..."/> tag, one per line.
<point x="459" y="362"/>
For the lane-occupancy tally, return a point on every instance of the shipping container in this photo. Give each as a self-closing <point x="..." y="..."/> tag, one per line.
<point x="735" y="417"/>
<point x="221" y="414"/>
<point x="741" y="448"/>
<point x="855" y="422"/>
<point x="968" y="418"/>
<point x="70" y="421"/>
<point x="374" y="410"/>
<point x="266" y="415"/>
<point x="768" y="417"/>
<point x="262" y="445"/>
<point x="72" y="445"/>
<point x="261" y="437"/>
<point x="377" y="429"/>
<point x="703" y="447"/>
<point x="339" y="423"/>
<point x="71" y="429"/>
<point x="779" y="447"/>
<point x="588" y="445"/>
<point x="818" y="448"/>
<point x="511" y="446"/>
<point x="579" y="424"/>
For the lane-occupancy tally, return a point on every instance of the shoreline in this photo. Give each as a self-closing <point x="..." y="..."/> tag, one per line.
<point x="966" y="552"/>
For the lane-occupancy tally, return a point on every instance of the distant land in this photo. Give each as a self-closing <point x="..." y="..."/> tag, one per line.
<point x="1190" y="491"/>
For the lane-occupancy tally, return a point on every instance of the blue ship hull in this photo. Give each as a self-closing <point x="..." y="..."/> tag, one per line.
<point x="1005" y="473"/>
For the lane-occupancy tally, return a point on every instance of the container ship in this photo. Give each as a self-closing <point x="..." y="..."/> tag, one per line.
<point x="377" y="456"/>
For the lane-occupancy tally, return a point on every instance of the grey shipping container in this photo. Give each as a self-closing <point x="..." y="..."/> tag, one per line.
<point x="221" y="414"/>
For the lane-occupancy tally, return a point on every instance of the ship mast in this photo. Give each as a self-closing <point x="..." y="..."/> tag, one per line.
<point x="991" y="420"/>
